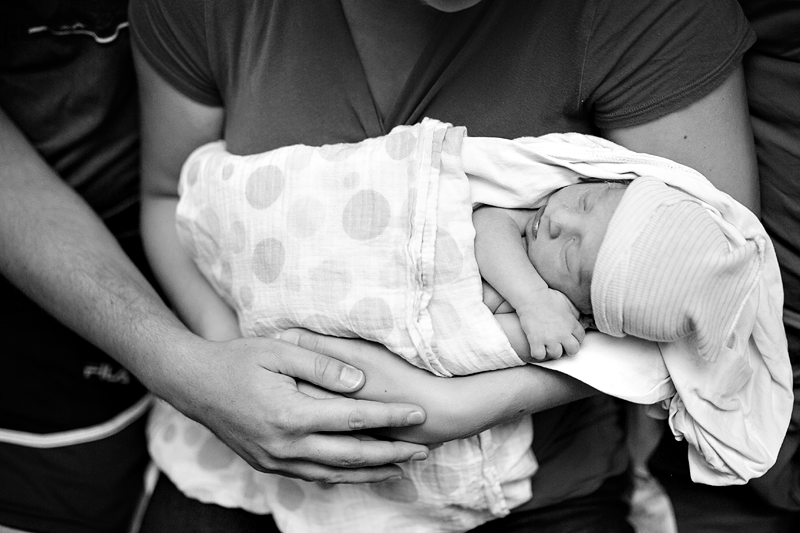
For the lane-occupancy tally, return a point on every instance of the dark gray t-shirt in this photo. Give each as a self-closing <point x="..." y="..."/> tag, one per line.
<point x="287" y="72"/>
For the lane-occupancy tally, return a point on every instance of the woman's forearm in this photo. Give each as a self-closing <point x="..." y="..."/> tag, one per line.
<point x="456" y="407"/>
<point x="192" y="296"/>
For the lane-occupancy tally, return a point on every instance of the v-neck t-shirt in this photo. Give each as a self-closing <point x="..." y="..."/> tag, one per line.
<point x="288" y="72"/>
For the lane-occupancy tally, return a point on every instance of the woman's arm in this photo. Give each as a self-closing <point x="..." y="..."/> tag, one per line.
<point x="713" y="136"/>
<point x="457" y="407"/>
<point x="163" y="153"/>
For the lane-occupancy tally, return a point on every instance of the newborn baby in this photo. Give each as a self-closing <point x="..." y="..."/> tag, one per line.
<point x="545" y="276"/>
<point x="646" y="260"/>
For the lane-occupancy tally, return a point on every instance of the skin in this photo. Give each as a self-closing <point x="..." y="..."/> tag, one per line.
<point x="538" y="263"/>
<point x="564" y="237"/>
<point x="548" y="318"/>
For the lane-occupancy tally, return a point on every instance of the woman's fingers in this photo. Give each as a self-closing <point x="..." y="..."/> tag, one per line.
<point x="354" y="452"/>
<point x="347" y="414"/>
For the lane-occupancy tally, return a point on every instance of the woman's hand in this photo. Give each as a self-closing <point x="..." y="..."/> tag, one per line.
<point x="391" y="379"/>
<point x="456" y="407"/>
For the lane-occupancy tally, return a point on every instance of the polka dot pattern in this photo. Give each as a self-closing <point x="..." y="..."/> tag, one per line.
<point x="268" y="259"/>
<point x="400" y="145"/>
<point x="366" y="215"/>
<point x="452" y="141"/>
<point x="327" y="239"/>
<point x="227" y="171"/>
<point x="251" y="488"/>
<point x="264" y="186"/>
<point x="192" y="434"/>
<point x="446" y="319"/>
<point x="290" y="495"/>
<point x="185" y="231"/>
<point x="403" y="490"/>
<point x="226" y="277"/>
<point x="246" y="296"/>
<point x="214" y="455"/>
<point x="372" y="315"/>
<point x="170" y="433"/>
<point x="451" y="477"/>
<point x="449" y="259"/>
<point x="209" y="221"/>
<point x="192" y="173"/>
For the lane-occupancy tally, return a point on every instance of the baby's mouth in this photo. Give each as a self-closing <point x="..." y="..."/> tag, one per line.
<point x="537" y="217"/>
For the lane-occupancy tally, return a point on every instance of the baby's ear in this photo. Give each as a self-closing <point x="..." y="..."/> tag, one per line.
<point x="587" y="322"/>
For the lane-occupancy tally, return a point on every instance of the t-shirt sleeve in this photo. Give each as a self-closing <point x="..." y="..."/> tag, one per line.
<point x="171" y="36"/>
<point x="647" y="59"/>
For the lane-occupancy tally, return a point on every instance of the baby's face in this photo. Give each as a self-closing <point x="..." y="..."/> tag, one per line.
<point x="564" y="237"/>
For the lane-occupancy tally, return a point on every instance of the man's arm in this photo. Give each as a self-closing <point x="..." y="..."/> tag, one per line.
<point x="56" y="249"/>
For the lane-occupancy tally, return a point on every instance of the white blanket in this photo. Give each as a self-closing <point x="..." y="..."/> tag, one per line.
<point x="375" y="240"/>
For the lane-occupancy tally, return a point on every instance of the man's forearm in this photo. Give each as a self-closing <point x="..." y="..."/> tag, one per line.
<point x="60" y="254"/>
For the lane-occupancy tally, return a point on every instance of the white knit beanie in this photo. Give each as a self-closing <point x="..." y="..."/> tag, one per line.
<point x="666" y="271"/>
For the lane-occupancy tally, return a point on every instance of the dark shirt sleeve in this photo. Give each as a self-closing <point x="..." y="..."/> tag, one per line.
<point x="647" y="59"/>
<point x="171" y="36"/>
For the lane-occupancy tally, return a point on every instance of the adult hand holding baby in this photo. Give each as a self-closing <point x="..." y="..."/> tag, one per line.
<point x="246" y="392"/>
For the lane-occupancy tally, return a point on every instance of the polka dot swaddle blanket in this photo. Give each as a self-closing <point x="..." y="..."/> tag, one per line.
<point x="350" y="240"/>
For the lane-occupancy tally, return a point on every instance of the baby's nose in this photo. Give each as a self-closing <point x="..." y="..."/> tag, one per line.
<point x="561" y="220"/>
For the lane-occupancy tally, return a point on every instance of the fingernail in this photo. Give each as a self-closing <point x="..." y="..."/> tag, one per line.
<point x="351" y="377"/>
<point x="419" y="456"/>
<point x="394" y="479"/>
<point x="416" y="418"/>
<point x="290" y="336"/>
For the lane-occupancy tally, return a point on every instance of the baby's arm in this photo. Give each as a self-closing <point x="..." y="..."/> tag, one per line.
<point x="547" y="317"/>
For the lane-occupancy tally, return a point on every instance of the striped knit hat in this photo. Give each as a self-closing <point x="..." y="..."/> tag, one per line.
<point x="665" y="271"/>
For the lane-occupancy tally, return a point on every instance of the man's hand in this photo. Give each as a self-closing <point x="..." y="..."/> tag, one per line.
<point x="245" y="391"/>
<point x="551" y="326"/>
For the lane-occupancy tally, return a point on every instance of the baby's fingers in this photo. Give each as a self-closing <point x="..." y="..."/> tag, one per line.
<point x="578" y="332"/>
<point x="554" y="351"/>
<point x="538" y="352"/>
<point x="572" y="345"/>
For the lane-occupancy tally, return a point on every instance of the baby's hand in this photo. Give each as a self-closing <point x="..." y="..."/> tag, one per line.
<point x="551" y="326"/>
